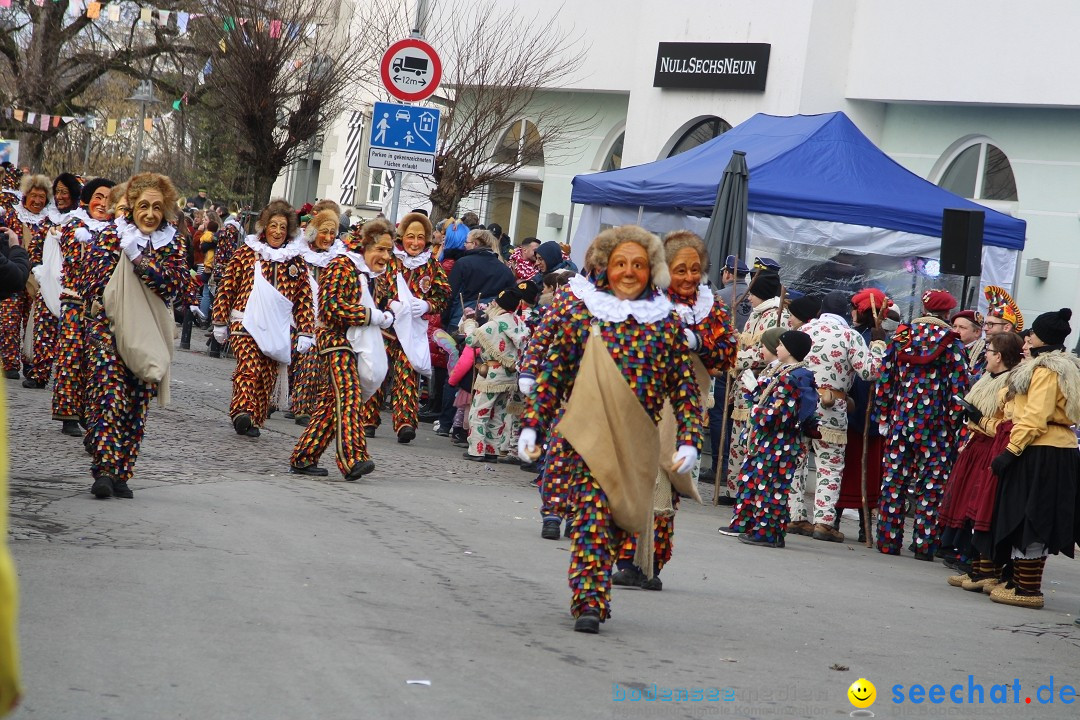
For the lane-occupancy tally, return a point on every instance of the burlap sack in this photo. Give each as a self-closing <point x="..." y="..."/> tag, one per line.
<point x="142" y="325"/>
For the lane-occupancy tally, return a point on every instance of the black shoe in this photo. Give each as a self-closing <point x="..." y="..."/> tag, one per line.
<point x="311" y="470"/>
<point x="32" y="384"/>
<point x="121" y="490"/>
<point x="761" y="542"/>
<point x="429" y="417"/>
<point x="87" y="444"/>
<point x="628" y="577"/>
<point x="458" y="435"/>
<point x="510" y="459"/>
<point x="12" y="374"/>
<point x="550" y="531"/>
<point x="359" y="469"/>
<point x="102" y="487"/>
<point x="406" y="434"/>
<point x="529" y="467"/>
<point x="588" y="622"/>
<point x="302" y="420"/>
<point x="566" y="530"/>
<point x="214" y="353"/>
<point x="241" y="423"/>
<point x="185" y="346"/>
<point x="725" y="500"/>
<point x="441" y="433"/>
<point x="924" y="556"/>
<point x="252" y="432"/>
<point x="288" y="415"/>
<point x="71" y="427"/>
<point x="481" y="458"/>
<point x="369" y="431"/>
<point x="652" y="583"/>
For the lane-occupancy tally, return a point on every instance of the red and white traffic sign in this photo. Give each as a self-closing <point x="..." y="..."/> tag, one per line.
<point x="411" y="70"/>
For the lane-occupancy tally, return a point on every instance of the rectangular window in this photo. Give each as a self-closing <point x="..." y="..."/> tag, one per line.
<point x="375" y="188"/>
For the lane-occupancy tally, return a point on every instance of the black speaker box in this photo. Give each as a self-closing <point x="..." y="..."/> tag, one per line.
<point x="961" y="242"/>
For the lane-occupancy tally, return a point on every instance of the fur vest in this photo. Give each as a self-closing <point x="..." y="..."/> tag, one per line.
<point x="1065" y="365"/>
<point x="984" y="393"/>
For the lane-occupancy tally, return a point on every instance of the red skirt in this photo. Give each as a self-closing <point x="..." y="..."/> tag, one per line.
<point x="980" y="504"/>
<point x="851" y="484"/>
<point x="968" y="473"/>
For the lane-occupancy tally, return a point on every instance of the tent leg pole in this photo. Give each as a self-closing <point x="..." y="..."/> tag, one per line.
<point x="640" y="213"/>
<point x="570" y="227"/>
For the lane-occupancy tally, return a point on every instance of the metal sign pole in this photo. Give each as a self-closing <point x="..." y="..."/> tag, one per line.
<point x="396" y="197"/>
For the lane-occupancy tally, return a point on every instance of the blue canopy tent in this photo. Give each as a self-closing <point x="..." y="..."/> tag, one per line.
<point x="815" y="182"/>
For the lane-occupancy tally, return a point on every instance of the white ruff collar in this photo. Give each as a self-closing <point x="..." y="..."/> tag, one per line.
<point x="271" y="254"/>
<point x="694" y="314"/>
<point x="82" y="216"/>
<point x="412" y="262"/>
<point x="322" y="258"/>
<point x="358" y="261"/>
<point x="28" y="218"/>
<point x="57" y="217"/>
<point x="605" y="306"/>
<point x="157" y="239"/>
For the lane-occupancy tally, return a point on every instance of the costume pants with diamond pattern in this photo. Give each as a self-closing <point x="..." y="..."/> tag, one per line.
<point x="337" y="417"/>
<point x="13" y="312"/>
<point x="46" y="329"/>
<point x="121" y="401"/>
<point x="309" y="383"/>
<point x="70" y="382"/>
<point x="924" y="464"/>
<point x="595" y="540"/>
<point x="253" y="379"/>
<point x="404" y="390"/>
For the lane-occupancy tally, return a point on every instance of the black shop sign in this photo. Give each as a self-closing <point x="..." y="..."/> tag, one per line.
<point x="712" y="66"/>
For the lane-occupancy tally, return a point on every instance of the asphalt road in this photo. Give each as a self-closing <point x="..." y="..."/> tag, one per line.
<point x="230" y="589"/>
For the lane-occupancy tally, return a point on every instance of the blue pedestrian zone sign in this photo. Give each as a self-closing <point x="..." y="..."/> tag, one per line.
<point x="404" y="127"/>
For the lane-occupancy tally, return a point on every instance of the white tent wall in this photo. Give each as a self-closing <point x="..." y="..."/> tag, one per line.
<point x="808" y="251"/>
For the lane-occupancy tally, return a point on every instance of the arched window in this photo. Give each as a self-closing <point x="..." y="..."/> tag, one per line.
<point x="613" y="161"/>
<point x="699" y="133"/>
<point x="514" y="203"/>
<point x="979" y="170"/>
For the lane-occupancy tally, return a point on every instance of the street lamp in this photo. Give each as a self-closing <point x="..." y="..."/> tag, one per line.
<point x="144" y="94"/>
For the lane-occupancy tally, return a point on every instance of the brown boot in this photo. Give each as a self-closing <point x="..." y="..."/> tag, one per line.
<point x="801" y="527"/>
<point x="823" y="531"/>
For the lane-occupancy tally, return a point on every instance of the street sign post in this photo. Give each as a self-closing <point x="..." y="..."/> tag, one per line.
<point x="403" y="137"/>
<point x="411" y="70"/>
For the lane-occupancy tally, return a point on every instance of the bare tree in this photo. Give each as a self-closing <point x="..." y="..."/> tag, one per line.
<point x="281" y="75"/>
<point x="52" y="58"/>
<point x="501" y="68"/>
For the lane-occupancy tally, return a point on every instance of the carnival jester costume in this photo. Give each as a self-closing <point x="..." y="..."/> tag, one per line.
<point x="617" y="352"/>
<point x="31" y="227"/>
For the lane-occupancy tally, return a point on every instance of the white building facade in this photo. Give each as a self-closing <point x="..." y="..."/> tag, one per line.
<point x="975" y="95"/>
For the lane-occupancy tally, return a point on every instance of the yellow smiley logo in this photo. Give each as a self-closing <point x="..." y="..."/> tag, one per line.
<point x="862" y="693"/>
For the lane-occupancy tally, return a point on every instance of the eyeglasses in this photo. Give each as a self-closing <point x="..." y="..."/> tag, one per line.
<point x="990" y="323"/>
<point x="988" y="351"/>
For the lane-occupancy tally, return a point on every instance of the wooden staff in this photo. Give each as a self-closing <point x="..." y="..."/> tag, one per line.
<point x="721" y="451"/>
<point x="866" y="442"/>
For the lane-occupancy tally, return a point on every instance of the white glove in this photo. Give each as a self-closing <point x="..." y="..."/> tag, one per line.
<point x="527" y="445"/>
<point x="526" y="384"/>
<point x="419" y="307"/>
<point x="381" y="319"/>
<point x="691" y="339"/>
<point x="220" y="333"/>
<point x="397" y="307"/>
<point x="748" y="380"/>
<point x="883" y="429"/>
<point x="83" y="235"/>
<point x="197" y="311"/>
<point x="304" y="343"/>
<point x="130" y="246"/>
<point x="684" y="459"/>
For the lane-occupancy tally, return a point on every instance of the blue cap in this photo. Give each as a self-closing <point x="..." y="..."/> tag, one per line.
<point x="764" y="263"/>
<point x="729" y="264"/>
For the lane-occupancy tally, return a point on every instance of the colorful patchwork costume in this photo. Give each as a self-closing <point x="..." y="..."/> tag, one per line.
<point x="338" y="414"/>
<point x="645" y="340"/>
<point x="69" y="391"/>
<point x="256" y="373"/>
<point x="15" y="310"/>
<point x="427" y="281"/>
<point x="923" y="371"/>
<point x="120" y="399"/>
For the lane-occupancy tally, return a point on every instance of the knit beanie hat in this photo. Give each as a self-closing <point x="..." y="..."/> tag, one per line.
<point x="508" y="299"/>
<point x="797" y="343"/>
<point x="766" y="285"/>
<point x="551" y="253"/>
<point x="529" y="291"/>
<point x="805" y="308"/>
<point x="771" y="338"/>
<point x="1053" y="327"/>
<point x="837" y="302"/>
